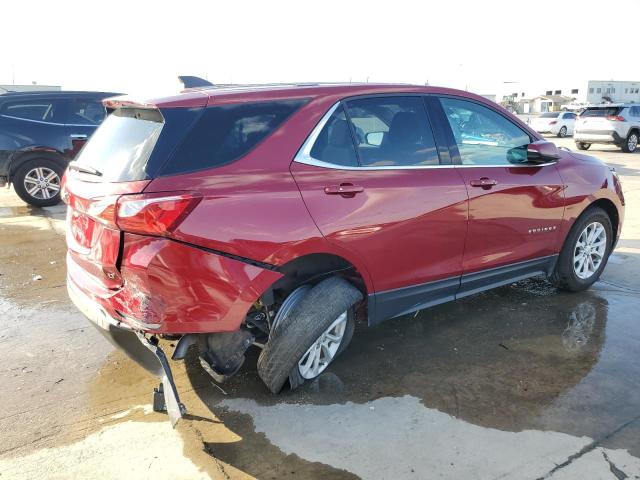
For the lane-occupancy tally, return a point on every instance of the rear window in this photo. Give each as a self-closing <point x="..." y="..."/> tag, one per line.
<point x="120" y="148"/>
<point x="226" y="133"/>
<point x="601" y="112"/>
<point x="138" y="144"/>
<point x="550" y="115"/>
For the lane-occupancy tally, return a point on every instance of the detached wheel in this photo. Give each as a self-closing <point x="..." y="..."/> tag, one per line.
<point x="563" y="132"/>
<point x="583" y="146"/>
<point x="37" y="182"/>
<point x="313" y="333"/>
<point x="585" y="251"/>
<point x="631" y="143"/>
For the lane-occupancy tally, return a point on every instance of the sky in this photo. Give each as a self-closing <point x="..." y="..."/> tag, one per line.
<point x="140" y="47"/>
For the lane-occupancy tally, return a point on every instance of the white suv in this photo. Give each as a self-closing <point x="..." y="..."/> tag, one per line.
<point x="616" y="124"/>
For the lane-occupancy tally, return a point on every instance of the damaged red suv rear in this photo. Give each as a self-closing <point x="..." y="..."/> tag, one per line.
<point x="275" y="216"/>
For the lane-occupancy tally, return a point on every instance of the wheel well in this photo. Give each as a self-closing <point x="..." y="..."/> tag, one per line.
<point x="18" y="160"/>
<point x="609" y="207"/>
<point x="311" y="269"/>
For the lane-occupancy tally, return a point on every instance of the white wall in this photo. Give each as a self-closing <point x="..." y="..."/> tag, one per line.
<point x="618" y="91"/>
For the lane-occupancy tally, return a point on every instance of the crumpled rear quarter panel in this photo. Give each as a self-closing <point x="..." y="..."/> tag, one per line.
<point x="184" y="289"/>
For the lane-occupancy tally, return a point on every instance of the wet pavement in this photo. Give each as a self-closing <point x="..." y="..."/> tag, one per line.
<point x="519" y="382"/>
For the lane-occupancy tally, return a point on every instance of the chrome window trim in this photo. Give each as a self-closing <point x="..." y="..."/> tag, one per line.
<point x="304" y="154"/>
<point x="49" y="123"/>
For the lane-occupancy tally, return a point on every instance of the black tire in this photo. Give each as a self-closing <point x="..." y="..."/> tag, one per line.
<point x="309" y="319"/>
<point x="564" y="275"/>
<point x="18" y="180"/>
<point x="630" y="145"/>
<point x="583" y="146"/>
<point x="563" y="132"/>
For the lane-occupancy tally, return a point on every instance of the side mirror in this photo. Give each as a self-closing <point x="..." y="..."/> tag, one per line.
<point x="374" y="138"/>
<point x="542" y="152"/>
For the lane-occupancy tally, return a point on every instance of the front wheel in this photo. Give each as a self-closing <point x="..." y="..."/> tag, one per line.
<point x="631" y="143"/>
<point x="585" y="251"/>
<point x="317" y="329"/>
<point x="583" y="146"/>
<point x="37" y="182"/>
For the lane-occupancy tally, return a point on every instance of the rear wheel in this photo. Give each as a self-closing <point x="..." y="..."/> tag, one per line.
<point x="315" y="331"/>
<point x="631" y="143"/>
<point x="585" y="251"/>
<point x="37" y="182"/>
<point x="562" y="132"/>
<point x="583" y="146"/>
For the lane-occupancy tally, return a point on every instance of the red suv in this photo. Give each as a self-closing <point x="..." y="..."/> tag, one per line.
<point x="275" y="216"/>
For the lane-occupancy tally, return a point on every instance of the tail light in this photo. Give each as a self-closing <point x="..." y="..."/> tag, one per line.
<point x="149" y="214"/>
<point x="553" y="122"/>
<point x="616" y="118"/>
<point x="153" y="214"/>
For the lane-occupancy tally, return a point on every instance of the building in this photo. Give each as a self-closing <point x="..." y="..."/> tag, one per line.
<point x="543" y="103"/>
<point x="27" y="88"/>
<point x="612" y="91"/>
<point x="530" y="98"/>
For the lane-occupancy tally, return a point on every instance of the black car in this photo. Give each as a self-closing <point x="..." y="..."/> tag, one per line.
<point x="40" y="132"/>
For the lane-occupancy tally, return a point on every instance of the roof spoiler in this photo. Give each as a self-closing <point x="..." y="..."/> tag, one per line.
<point x="189" y="81"/>
<point x="112" y="103"/>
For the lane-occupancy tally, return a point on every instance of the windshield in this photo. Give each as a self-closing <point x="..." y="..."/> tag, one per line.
<point x="120" y="148"/>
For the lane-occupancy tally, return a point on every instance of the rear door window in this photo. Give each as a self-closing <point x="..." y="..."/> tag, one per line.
<point x="392" y="132"/>
<point x="86" y="112"/>
<point x="226" y="133"/>
<point x="40" y="110"/>
<point x="334" y="143"/>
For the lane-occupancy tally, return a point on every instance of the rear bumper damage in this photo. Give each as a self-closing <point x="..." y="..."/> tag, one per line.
<point x="141" y="348"/>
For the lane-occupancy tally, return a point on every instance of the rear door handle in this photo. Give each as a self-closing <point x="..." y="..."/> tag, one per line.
<point x="78" y="136"/>
<point x="344" y="189"/>
<point x="484" y="182"/>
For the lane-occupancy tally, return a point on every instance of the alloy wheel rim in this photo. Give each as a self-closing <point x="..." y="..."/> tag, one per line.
<point x="318" y="357"/>
<point x="563" y="132"/>
<point x="633" y="142"/>
<point x="42" y="183"/>
<point x="589" y="251"/>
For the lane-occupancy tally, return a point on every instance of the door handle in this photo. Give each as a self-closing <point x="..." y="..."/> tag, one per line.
<point x="344" y="189"/>
<point x="78" y="136"/>
<point x="484" y="182"/>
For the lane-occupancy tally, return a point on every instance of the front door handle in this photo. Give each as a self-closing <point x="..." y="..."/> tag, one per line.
<point x="344" y="189"/>
<point x="79" y="136"/>
<point x="484" y="182"/>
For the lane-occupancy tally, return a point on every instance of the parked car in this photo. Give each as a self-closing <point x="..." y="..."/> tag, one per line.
<point x="277" y="216"/>
<point x="560" y="124"/>
<point x="609" y="124"/>
<point x="40" y="132"/>
<point x="574" y="107"/>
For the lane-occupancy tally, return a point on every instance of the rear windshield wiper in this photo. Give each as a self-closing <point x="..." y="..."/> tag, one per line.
<point x="84" y="169"/>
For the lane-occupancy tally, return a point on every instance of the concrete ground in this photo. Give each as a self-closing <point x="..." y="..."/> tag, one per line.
<point x="520" y="382"/>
